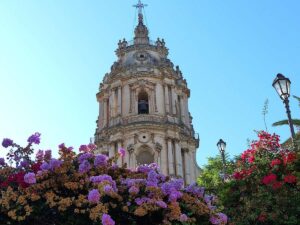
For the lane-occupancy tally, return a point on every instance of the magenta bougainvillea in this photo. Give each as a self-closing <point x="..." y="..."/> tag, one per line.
<point x="264" y="188"/>
<point x="88" y="188"/>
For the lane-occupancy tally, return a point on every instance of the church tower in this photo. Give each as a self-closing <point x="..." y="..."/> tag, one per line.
<point x="143" y="108"/>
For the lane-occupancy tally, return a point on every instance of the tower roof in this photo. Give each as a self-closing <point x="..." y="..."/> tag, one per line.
<point x="141" y="31"/>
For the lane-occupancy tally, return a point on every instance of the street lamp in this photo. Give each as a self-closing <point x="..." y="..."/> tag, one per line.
<point x="222" y="146"/>
<point x="282" y="86"/>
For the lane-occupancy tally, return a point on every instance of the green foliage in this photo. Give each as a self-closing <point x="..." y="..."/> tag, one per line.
<point x="210" y="174"/>
<point x="296" y="122"/>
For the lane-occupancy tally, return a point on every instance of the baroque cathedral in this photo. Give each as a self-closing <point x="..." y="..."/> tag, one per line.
<point x="143" y="108"/>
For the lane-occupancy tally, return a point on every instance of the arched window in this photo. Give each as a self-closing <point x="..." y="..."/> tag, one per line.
<point x="145" y="157"/>
<point x="143" y="103"/>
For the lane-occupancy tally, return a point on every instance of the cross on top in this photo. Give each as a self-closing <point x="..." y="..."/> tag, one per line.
<point x="140" y="6"/>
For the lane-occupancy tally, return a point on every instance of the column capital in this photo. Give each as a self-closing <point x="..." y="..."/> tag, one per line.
<point x="185" y="150"/>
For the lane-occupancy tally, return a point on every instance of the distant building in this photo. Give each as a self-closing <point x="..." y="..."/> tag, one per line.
<point x="143" y="107"/>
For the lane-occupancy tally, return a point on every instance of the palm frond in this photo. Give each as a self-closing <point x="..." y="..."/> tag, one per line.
<point x="296" y="122"/>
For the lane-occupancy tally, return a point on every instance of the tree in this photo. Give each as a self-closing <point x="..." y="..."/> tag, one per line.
<point x="210" y="176"/>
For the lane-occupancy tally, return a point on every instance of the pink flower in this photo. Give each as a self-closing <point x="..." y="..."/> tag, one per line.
<point x="122" y="152"/>
<point x="237" y="176"/>
<point x="183" y="218"/>
<point x="262" y="217"/>
<point x="290" y="179"/>
<point x="290" y="157"/>
<point x="29" y="178"/>
<point x="275" y="162"/>
<point x="94" y="196"/>
<point x="271" y="178"/>
<point x="277" y="185"/>
<point x="107" y="220"/>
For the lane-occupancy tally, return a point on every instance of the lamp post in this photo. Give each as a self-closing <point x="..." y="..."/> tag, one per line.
<point x="222" y="146"/>
<point x="282" y="86"/>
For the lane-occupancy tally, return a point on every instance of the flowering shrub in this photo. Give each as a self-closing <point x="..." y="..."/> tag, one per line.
<point x="91" y="189"/>
<point x="265" y="186"/>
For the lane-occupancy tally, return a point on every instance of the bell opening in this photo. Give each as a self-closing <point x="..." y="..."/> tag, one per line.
<point x="143" y="103"/>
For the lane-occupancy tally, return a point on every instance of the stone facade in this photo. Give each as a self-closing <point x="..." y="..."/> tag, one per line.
<point x="143" y="107"/>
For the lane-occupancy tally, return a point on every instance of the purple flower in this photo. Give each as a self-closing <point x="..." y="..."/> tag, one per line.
<point x="152" y="179"/>
<point x="62" y="145"/>
<point x="92" y="146"/>
<point x="161" y="204"/>
<point x="48" y="155"/>
<point x="183" y="218"/>
<point x="107" y="220"/>
<point x="2" y="161"/>
<point x="122" y="152"/>
<point x="85" y="156"/>
<point x="140" y="201"/>
<point x="84" y="167"/>
<point x="45" y="166"/>
<point x="104" y="178"/>
<point x="54" y="163"/>
<point x="130" y="182"/>
<point x="29" y="178"/>
<point x="39" y="155"/>
<point x="7" y="142"/>
<point x="133" y="190"/>
<point x="35" y="138"/>
<point x="153" y="166"/>
<point x="143" y="169"/>
<point x="219" y="218"/>
<point x="94" y="196"/>
<point x="100" y="160"/>
<point x="107" y="189"/>
<point x="195" y="190"/>
<point x="174" y="196"/>
<point x="24" y="163"/>
<point x="100" y="178"/>
<point x="84" y="148"/>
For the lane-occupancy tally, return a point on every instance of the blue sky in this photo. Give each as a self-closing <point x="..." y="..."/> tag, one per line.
<point x="53" y="55"/>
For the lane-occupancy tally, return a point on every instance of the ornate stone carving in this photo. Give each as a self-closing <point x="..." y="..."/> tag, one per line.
<point x="130" y="148"/>
<point x="158" y="147"/>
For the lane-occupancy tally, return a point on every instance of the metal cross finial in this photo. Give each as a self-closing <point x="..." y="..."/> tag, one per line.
<point x="140" y="6"/>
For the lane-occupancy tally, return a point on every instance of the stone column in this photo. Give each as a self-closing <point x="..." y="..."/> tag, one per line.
<point x="130" y="99"/>
<point x="182" y="109"/>
<point x="104" y="112"/>
<point x="178" y="158"/>
<point x="100" y="118"/>
<point x="164" y="159"/>
<point x="186" y="107"/>
<point x="187" y="161"/>
<point x="167" y="104"/>
<point x="119" y="101"/>
<point x="120" y="159"/>
<point x="170" y="157"/>
<point x="113" y="103"/>
<point x="111" y="152"/>
<point x="192" y="166"/>
<point x="158" y="148"/>
<point x="155" y="101"/>
<point x="130" y="150"/>
<point x="173" y="97"/>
